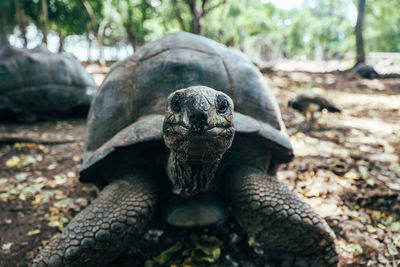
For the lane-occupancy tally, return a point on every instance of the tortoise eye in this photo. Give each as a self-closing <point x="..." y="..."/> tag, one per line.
<point x="176" y="102"/>
<point x="222" y="104"/>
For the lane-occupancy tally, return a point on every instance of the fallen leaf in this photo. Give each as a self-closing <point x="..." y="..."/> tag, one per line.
<point x="52" y="166"/>
<point x="395" y="167"/>
<point x="353" y="248"/>
<point x="376" y="215"/>
<point x="212" y="253"/>
<point x="12" y="162"/>
<point x="30" y="190"/>
<point x="33" y="232"/>
<point x="41" y="147"/>
<point x="6" y="246"/>
<point x="30" y="145"/>
<point x="60" y="178"/>
<point x="394" y="186"/>
<point x="395" y="227"/>
<point x="396" y="240"/>
<point x="381" y="226"/>
<point x="392" y="249"/>
<point x="28" y="161"/>
<point x="22" y="176"/>
<point x="370" y="228"/>
<point x="62" y="223"/>
<point x="353" y="175"/>
<point x="164" y="256"/>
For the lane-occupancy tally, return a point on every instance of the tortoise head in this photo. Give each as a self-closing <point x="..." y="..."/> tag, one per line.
<point x="198" y="129"/>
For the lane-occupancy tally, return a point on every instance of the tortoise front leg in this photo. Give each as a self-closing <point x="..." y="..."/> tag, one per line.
<point x="278" y="218"/>
<point x="122" y="211"/>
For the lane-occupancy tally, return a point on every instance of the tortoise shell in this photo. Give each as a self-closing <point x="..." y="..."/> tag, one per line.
<point x="42" y="84"/>
<point x="129" y="106"/>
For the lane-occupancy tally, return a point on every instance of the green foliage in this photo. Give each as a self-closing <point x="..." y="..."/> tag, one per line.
<point x="134" y="14"/>
<point x="67" y="16"/>
<point x="382" y="26"/>
<point x="246" y="24"/>
<point x="321" y="29"/>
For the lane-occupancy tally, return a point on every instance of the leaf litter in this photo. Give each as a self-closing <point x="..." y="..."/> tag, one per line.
<point x="347" y="168"/>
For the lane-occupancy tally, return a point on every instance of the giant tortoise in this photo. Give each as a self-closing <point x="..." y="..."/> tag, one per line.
<point x="37" y="85"/>
<point x="186" y="131"/>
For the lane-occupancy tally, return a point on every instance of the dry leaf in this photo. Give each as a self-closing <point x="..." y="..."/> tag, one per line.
<point x="353" y="175"/>
<point x="12" y="162"/>
<point x="33" y="232"/>
<point x="6" y="246"/>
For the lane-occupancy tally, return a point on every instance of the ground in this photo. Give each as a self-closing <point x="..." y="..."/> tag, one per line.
<point x="347" y="167"/>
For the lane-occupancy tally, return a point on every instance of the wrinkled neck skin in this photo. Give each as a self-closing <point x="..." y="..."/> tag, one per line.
<point x="191" y="168"/>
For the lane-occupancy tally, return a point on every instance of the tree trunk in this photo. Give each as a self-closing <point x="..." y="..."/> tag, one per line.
<point x="61" y="39"/>
<point x="21" y="22"/>
<point x="359" y="33"/>
<point x="179" y="16"/>
<point x="197" y="15"/>
<point x="130" y="27"/>
<point x="360" y="68"/>
<point x="89" y="42"/>
<point x="3" y="27"/>
<point x="196" y="24"/>
<point x="45" y="21"/>
<point x="100" y="35"/>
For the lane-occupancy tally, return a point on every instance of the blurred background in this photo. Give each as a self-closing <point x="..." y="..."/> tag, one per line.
<point x="265" y="30"/>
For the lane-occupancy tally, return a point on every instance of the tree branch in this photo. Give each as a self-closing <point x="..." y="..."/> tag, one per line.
<point x="45" y="21"/>
<point x="3" y="27"/>
<point x="203" y="4"/>
<point x="90" y="12"/>
<point x="213" y="7"/>
<point x="179" y="15"/>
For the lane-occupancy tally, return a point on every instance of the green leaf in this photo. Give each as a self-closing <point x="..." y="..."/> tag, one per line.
<point x="353" y="248"/>
<point x="164" y="256"/>
<point x="395" y="227"/>
<point x="33" y="232"/>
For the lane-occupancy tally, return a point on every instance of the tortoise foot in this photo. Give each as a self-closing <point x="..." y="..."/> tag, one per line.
<point x="279" y="219"/>
<point x="104" y="229"/>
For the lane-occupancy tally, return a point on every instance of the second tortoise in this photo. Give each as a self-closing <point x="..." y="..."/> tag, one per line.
<point x="39" y="85"/>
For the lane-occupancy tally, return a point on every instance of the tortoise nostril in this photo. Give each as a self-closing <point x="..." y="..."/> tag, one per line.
<point x="198" y="119"/>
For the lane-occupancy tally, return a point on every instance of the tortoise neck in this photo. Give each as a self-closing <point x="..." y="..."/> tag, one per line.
<point x="191" y="174"/>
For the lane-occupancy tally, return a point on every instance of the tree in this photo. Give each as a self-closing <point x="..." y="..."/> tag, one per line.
<point x="97" y="24"/>
<point x="382" y="26"/>
<point x="67" y="17"/>
<point x="360" y="57"/>
<point x="3" y="28"/>
<point x="45" y="18"/>
<point x="198" y="9"/>
<point x="362" y="69"/>
<point x="6" y="21"/>
<point x="21" y="21"/>
<point x="134" y="14"/>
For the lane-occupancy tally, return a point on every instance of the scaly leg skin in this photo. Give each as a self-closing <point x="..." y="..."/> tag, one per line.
<point x="279" y="219"/>
<point x="122" y="211"/>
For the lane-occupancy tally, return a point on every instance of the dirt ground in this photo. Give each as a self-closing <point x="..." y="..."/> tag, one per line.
<point x="347" y="167"/>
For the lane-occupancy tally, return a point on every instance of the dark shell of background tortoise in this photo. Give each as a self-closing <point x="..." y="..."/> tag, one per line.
<point x="38" y="85"/>
<point x="129" y="106"/>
